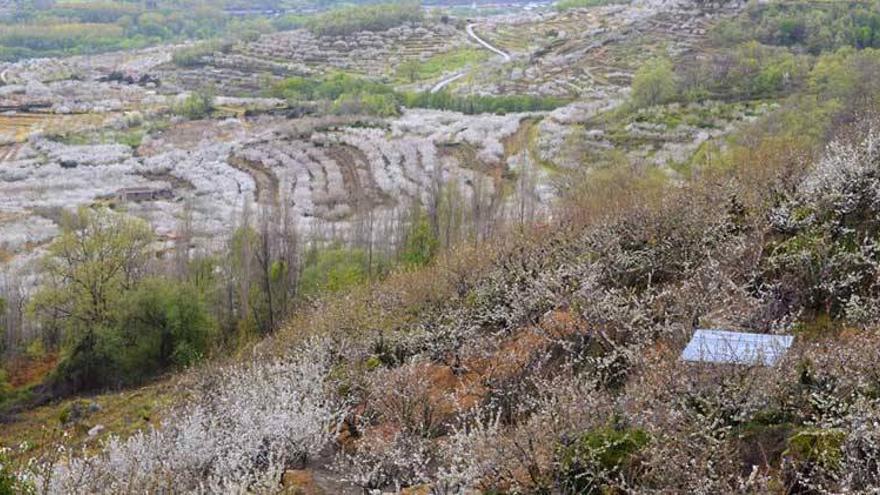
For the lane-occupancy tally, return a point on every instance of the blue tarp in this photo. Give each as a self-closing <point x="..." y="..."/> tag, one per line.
<point x="721" y="346"/>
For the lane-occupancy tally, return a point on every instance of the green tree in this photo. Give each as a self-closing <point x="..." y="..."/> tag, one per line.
<point x="99" y="257"/>
<point x="166" y="324"/>
<point x="2" y="327"/>
<point x="654" y="84"/>
<point x="421" y="242"/>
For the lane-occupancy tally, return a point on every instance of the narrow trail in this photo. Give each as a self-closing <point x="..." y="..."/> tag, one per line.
<point x="451" y="79"/>
<point x="472" y="34"/>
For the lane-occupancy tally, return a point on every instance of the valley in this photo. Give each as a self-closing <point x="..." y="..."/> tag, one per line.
<point x="447" y="248"/>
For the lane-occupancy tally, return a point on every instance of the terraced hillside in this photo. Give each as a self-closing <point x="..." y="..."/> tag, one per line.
<point x="336" y="171"/>
<point x="585" y="52"/>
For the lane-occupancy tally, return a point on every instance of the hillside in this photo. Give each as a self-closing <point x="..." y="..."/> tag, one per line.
<point x="317" y="273"/>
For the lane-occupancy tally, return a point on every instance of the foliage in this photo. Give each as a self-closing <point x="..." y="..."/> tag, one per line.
<point x="747" y="71"/>
<point x="347" y="94"/>
<point x="477" y="104"/>
<point x="192" y="56"/>
<point x="344" y="94"/>
<point x="332" y="269"/>
<point x="378" y="17"/>
<point x="5" y="387"/>
<point x="564" y="5"/>
<point x="817" y="27"/>
<point x="10" y="481"/>
<point x="413" y="70"/>
<point x="421" y="242"/>
<point x="197" y="105"/>
<point x="823" y="447"/>
<point x="597" y="456"/>
<point x="166" y="324"/>
<point x="88" y="27"/>
<point x="119" y="326"/>
<point x="654" y="84"/>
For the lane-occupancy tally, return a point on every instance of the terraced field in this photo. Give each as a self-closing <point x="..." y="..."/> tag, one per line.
<point x="332" y="171"/>
<point x="16" y="128"/>
<point x="299" y="52"/>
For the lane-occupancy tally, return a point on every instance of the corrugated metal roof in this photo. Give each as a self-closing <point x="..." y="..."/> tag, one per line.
<point x="720" y="346"/>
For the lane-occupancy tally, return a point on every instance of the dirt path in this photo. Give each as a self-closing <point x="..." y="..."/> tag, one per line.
<point x="472" y="34"/>
<point x="455" y="77"/>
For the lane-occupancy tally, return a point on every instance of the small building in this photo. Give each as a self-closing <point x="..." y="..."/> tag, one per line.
<point x="725" y="347"/>
<point x="137" y="194"/>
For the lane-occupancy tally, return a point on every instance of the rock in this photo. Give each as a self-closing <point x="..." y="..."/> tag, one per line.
<point x="300" y="482"/>
<point x="96" y="430"/>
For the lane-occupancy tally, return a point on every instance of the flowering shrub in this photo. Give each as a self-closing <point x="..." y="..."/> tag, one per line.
<point x="244" y="427"/>
<point x="827" y="256"/>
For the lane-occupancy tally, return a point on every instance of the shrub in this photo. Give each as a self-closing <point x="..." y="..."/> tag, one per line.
<point x="245" y="425"/>
<point x="198" y="105"/>
<point x="192" y="56"/>
<point x="10" y="482"/>
<point x="654" y="84"/>
<point x="333" y="269"/>
<point x="598" y="458"/>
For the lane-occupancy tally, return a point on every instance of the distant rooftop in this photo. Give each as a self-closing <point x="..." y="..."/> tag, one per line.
<point x="720" y="346"/>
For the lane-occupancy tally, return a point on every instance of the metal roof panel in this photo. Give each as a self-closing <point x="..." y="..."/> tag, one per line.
<point x="721" y="346"/>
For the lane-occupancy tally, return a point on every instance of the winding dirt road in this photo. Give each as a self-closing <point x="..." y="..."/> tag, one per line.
<point x="470" y="31"/>
<point x="472" y="34"/>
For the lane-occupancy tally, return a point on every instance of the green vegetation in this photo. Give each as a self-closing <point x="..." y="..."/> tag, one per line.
<point x="654" y="84"/>
<point x="349" y="20"/>
<point x="119" y="326"/>
<point x="817" y="446"/>
<point x="343" y="94"/>
<point x="10" y="484"/>
<point x="476" y="104"/>
<point x="332" y="270"/>
<point x="198" y="105"/>
<point x="815" y="26"/>
<point x="597" y="457"/>
<point x="192" y="56"/>
<point x="70" y="28"/>
<point x="436" y="66"/>
<point x="340" y="94"/>
<point x="421" y="242"/>
<point x="564" y="5"/>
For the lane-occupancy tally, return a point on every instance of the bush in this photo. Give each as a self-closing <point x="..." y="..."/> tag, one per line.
<point x="10" y="483"/>
<point x="597" y="458"/>
<point x="654" y="84"/>
<point x="198" y="105"/>
<point x="192" y="56"/>
<point x="332" y="270"/>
